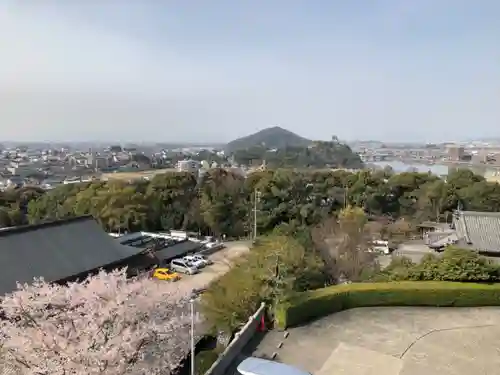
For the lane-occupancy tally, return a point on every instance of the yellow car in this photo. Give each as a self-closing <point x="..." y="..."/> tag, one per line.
<point x="165" y="274"/>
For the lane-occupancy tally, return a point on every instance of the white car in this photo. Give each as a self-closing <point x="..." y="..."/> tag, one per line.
<point x="183" y="266"/>
<point x="213" y="246"/>
<point x="198" y="259"/>
<point x="198" y="263"/>
<point x="259" y="366"/>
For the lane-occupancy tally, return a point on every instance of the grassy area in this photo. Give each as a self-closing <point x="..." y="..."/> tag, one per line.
<point x="321" y="302"/>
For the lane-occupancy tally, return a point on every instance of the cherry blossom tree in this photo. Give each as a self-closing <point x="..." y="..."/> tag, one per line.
<point x="107" y="324"/>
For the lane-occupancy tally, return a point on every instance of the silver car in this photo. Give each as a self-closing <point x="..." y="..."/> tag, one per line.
<point x="183" y="266"/>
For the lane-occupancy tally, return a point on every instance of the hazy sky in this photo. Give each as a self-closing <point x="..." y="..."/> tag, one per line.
<point x="196" y="70"/>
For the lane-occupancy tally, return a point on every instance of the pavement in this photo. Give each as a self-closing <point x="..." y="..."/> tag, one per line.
<point x="414" y="250"/>
<point x="391" y="341"/>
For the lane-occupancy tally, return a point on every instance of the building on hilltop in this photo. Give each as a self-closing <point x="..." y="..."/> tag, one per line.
<point x="60" y="251"/>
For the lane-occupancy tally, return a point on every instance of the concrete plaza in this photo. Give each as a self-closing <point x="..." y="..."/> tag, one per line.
<point x="392" y="341"/>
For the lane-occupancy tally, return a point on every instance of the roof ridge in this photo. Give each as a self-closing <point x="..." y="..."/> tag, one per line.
<point x="479" y="213"/>
<point x="47" y="224"/>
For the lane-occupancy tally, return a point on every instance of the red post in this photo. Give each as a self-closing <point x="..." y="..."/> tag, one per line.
<point x="262" y="324"/>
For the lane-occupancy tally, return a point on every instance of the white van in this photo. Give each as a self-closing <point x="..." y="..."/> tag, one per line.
<point x="381" y="247"/>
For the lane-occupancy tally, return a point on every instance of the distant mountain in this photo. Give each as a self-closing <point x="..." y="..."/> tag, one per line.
<point x="275" y="137"/>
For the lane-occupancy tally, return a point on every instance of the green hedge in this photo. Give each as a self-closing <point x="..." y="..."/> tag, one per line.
<point x="321" y="302"/>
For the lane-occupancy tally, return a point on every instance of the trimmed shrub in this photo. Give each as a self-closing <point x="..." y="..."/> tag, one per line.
<point x="321" y="302"/>
<point x="455" y="264"/>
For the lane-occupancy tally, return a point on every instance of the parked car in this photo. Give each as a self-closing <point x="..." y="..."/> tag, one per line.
<point x="183" y="266"/>
<point x="165" y="274"/>
<point x="259" y="366"/>
<point x="198" y="263"/>
<point x="198" y="260"/>
<point x="213" y="246"/>
<point x="207" y="261"/>
<point x="381" y="247"/>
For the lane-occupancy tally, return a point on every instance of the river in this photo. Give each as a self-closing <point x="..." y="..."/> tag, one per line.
<point x="437" y="169"/>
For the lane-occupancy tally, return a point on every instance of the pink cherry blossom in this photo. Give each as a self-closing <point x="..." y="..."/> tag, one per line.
<point x="107" y="324"/>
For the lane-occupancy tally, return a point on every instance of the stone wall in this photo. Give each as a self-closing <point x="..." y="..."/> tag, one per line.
<point x="236" y="346"/>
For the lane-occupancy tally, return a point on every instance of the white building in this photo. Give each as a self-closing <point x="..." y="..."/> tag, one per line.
<point x="188" y="165"/>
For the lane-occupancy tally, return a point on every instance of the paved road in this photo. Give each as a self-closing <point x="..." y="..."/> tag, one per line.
<point x="393" y="341"/>
<point x="415" y="250"/>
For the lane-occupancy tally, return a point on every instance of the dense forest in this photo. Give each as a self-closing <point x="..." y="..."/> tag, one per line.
<point x="319" y="154"/>
<point x="222" y="202"/>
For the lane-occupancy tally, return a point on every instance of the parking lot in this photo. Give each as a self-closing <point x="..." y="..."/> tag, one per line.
<point x="392" y="341"/>
<point x="223" y="259"/>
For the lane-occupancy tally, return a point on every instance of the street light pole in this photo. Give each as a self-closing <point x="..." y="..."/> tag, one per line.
<point x="192" y="335"/>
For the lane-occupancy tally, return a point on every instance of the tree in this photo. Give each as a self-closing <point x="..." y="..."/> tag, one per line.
<point x="455" y="264"/>
<point x="399" y="269"/>
<point x="5" y="219"/>
<point x="276" y="267"/>
<point x="432" y="200"/>
<point x="400" y="231"/>
<point x="344" y="244"/>
<point x="107" y="324"/>
<point x="285" y="198"/>
<point x="171" y="195"/>
<point x="222" y="204"/>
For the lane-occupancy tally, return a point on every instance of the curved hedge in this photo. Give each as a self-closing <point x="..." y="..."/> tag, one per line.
<point x="321" y="302"/>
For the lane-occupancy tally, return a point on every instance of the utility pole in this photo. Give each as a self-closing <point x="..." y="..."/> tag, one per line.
<point x="256" y="199"/>
<point x="345" y="196"/>
<point x="195" y="293"/>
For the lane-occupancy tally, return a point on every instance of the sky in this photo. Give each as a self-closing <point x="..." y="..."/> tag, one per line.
<point x="212" y="71"/>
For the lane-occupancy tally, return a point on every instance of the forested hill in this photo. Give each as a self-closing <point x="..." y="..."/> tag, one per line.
<point x="270" y="138"/>
<point x="281" y="148"/>
<point x="319" y="155"/>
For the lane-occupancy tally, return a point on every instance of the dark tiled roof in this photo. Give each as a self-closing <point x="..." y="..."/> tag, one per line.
<point x="480" y="230"/>
<point x="177" y="250"/>
<point x="56" y="251"/>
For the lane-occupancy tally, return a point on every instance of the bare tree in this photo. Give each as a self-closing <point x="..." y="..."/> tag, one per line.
<point x="107" y="324"/>
<point x="344" y="244"/>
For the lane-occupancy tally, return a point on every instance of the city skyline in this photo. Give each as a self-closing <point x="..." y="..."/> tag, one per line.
<point x="150" y="71"/>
